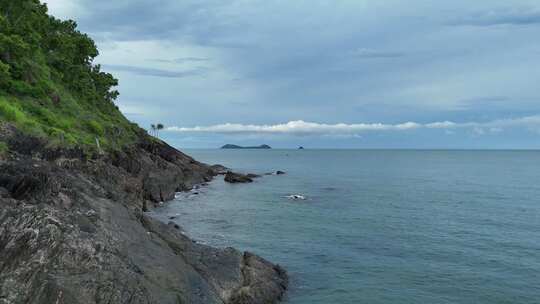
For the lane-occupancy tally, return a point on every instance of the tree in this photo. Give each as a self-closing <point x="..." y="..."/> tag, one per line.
<point x="42" y="52"/>
<point x="159" y="127"/>
<point x="156" y="128"/>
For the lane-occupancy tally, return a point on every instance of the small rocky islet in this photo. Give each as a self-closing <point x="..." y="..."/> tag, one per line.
<point x="261" y="147"/>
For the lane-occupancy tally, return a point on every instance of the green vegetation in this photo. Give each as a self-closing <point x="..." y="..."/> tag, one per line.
<point x="3" y="148"/>
<point x="49" y="86"/>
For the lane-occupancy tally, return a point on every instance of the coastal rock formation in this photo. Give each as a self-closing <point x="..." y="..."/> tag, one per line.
<point x="76" y="180"/>
<point x="73" y="230"/>
<point x="219" y="169"/>
<point x="235" y="178"/>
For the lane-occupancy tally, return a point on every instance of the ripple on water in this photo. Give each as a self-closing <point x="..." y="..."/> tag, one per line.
<point x="386" y="227"/>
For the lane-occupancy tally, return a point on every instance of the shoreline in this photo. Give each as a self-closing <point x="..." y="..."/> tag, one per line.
<point x="84" y="220"/>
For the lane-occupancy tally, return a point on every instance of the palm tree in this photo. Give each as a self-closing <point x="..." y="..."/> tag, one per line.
<point x="159" y="127"/>
<point x="156" y="128"/>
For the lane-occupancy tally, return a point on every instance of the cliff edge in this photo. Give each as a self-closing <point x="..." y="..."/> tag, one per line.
<point x="73" y="230"/>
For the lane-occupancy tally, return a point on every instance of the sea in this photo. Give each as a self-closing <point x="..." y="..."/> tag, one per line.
<point x="379" y="226"/>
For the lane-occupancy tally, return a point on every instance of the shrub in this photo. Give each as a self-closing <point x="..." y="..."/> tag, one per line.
<point x="3" y="148"/>
<point x="10" y="112"/>
<point x="94" y="127"/>
<point x="4" y="74"/>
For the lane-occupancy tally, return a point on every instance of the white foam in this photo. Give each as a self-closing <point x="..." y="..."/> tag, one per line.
<point x="296" y="197"/>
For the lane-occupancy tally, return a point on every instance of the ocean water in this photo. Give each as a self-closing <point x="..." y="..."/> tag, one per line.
<point x="384" y="226"/>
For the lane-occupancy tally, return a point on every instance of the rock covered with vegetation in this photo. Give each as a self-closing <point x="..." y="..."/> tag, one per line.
<point x="76" y="178"/>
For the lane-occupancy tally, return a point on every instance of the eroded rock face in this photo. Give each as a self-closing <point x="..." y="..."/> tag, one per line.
<point x="73" y="230"/>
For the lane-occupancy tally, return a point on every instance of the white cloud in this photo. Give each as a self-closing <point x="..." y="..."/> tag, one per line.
<point x="300" y="127"/>
<point x="478" y="131"/>
<point x="441" y="125"/>
<point x="297" y="127"/>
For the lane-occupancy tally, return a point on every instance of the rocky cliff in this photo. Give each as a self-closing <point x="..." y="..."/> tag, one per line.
<point x="73" y="229"/>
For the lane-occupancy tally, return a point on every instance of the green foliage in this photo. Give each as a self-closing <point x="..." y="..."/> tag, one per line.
<point x="4" y="149"/>
<point x="39" y="47"/>
<point x="10" y="112"/>
<point x="49" y="85"/>
<point x="94" y="127"/>
<point x="4" y="73"/>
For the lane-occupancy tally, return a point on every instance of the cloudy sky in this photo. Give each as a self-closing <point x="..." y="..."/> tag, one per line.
<point x="345" y="74"/>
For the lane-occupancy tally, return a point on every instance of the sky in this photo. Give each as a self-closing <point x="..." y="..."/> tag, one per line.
<point x="454" y="74"/>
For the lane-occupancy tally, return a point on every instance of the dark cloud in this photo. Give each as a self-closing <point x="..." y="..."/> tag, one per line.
<point x="369" y="53"/>
<point x="487" y="99"/>
<point x="181" y="60"/>
<point x="124" y="20"/>
<point x="500" y="17"/>
<point x="154" y="72"/>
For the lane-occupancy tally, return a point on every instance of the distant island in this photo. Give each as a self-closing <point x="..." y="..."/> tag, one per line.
<point x="229" y="146"/>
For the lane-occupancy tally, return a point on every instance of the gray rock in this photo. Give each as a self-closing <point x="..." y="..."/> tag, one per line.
<point x="234" y="178"/>
<point x="74" y="231"/>
<point x="219" y="169"/>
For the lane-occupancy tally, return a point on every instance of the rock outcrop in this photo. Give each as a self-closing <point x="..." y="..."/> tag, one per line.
<point x="73" y="230"/>
<point x="220" y="169"/>
<point x="235" y="178"/>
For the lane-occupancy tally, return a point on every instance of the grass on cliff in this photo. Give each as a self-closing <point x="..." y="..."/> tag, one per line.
<point x="68" y="123"/>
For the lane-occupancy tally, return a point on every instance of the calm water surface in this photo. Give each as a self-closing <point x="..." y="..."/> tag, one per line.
<point x="381" y="226"/>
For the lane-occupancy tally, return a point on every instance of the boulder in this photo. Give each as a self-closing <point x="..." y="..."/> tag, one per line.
<point x="219" y="169"/>
<point x="234" y="178"/>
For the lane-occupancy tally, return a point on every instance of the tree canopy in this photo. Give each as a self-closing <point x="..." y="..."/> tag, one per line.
<point x="38" y="50"/>
<point x="49" y="84"/>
